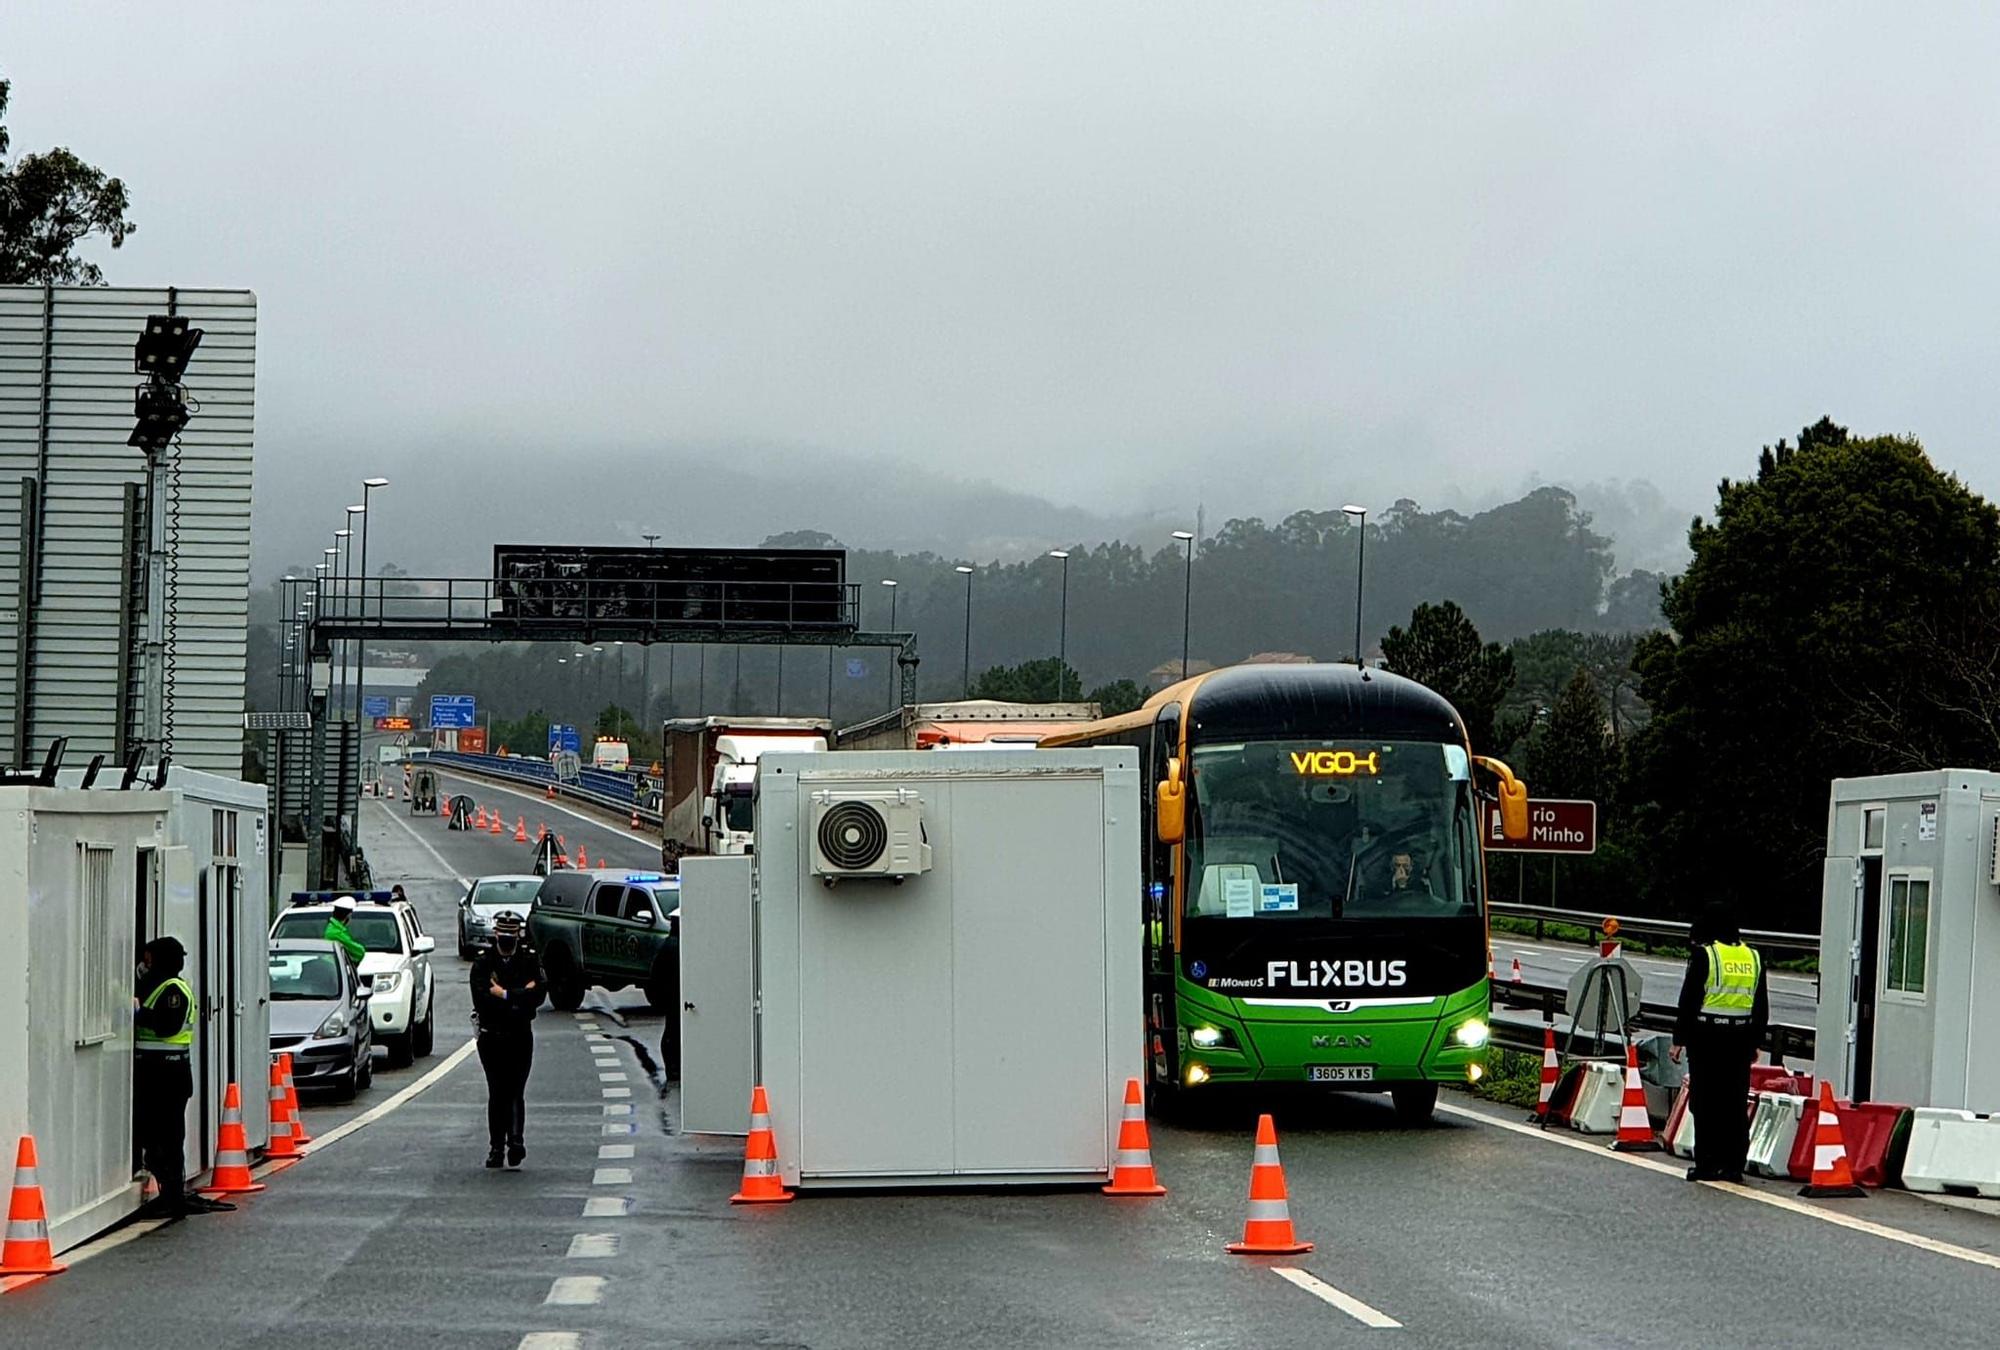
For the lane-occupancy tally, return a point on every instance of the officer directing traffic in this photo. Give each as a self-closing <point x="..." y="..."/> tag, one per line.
<point x="507" y="987"/>
<point x="1724" y="1010"/>
<point x="336" y="929"/>
<point x="162" y="1079"/>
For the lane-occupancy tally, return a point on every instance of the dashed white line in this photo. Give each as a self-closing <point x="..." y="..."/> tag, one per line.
<point x="613" y="1077"/>
<point x="609" y="1151"/>
<point x="617" y="1092"/>
<point x="619" y="1108"/>
<point x="611" y="1176"/>
<point x="552" y="1340"/>
<point x="592" y="1246"/>
<point x="575" y="1291"/>
<point x="1347" y="1303"/>
<point x="620" y="1127"/>
<point x="607" y="1207"/>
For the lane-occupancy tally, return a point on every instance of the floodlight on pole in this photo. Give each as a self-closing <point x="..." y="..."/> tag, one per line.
<point x="967" y="571"/>
<point x="1187" y="598"/>
<point x="1062" y="630"/>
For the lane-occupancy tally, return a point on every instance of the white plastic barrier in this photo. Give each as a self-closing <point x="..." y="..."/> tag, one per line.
<point x="1953" y="1150"/>
<point x="1598" y="1097"/>
<point x="1773" y="1131"/>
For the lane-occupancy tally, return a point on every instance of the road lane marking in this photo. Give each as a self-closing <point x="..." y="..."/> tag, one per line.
<point x="450" y="872"/>
<point x="609" y="1151"/>
<point x="607" y="1207"/>
<point x="95" y="1247"/>
<point x="552" y="1340"/>
<point x="1347" y="1303"/>
<point x="613" y="1077"/>
<point x="617" y="1092"/>
<point x="1785" y="1202"/>
<point x="619" y="1108"/>
<point x="375" y="1113"/>
<point x="620" y="1127"/>
<point x="611" y="1176"/>
<point x="575" y="1291"/>
<point x="592" y="1246"/>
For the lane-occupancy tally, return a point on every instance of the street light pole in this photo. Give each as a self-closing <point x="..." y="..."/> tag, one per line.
<point x="1359" y="515"/>
<point x="1062" y="632"/>
<point x="368" y="485"/>
<point x="646" y="650"/>
<point x="1187" y="598"/>
<point x="892" y="628"/>
<point x="968" y="628"/>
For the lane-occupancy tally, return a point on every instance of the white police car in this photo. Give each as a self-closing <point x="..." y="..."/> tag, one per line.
<point x="401" y="1002"/>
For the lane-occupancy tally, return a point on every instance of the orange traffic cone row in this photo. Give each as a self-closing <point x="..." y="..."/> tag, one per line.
<point x="1551" y="1075"/>
<point x="299" y="1135"/>
<point x="1132" y="1171"/>
<point x="520" y="829"/>
<point x="27" y="1250"/>
<point x="232" y="1151"/>
<point x="1832" y="1178"/>
<point x="761" y="1183"/>
<point x="1268" y="1230"/>
<point x="281" y="1144"/>
<point x="1635" y="1127"/>
<point x="582" y="856"/>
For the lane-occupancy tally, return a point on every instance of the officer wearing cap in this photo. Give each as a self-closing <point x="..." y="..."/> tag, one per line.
<point x="163" y="1018"/>
<point x="336" y="929"/>
<point x="507" y="987"/>
<point x="1724" y="1009"/>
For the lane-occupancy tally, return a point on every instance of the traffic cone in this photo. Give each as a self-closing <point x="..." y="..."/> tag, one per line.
<point x="494" y="825"/>
<point x="281" y="1144"/>
<point x="582" y="856"/>
<point x="1515" y="976"/>
<point x="299" y="1135"/>
<point x="27" y="1250"/>
<point x="635" y="817"/>
<point x="1832" y="1178"/>
<point x="232" y="1151"/>
<point x="479" y="819"/>
<point x="1268" y="1230"/>
<point x="444" y="808"/>
<point x="1132" y="1172"/>
<point x="552" y="792"/>
<point x="1635" y="1127"/>
<point x="761" y="1184"/>
<point x="520" y="829"/>
<point x="1551" y="1075"/>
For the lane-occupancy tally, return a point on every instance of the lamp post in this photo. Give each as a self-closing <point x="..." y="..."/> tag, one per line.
<point x="368" y="485"/>
<point x="1187" y="598"/>
<point x="334" y="607"/>
<point x="968" y="627"/>
<point x="891" y="585"/>
<point x="646" y="648"/>
<point x="1359" y="515"/>
<point x="1062" y="631"/>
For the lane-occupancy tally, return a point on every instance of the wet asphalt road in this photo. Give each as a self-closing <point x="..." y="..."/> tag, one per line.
<point x="1467" y="1233"/>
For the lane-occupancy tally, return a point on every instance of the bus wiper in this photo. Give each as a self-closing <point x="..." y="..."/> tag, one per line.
<point x="1353" y="863"/>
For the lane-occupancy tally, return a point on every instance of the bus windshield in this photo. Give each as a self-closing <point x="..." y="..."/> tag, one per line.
<point x="1282" y="831"/>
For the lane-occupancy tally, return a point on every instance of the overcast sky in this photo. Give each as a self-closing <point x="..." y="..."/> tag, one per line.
<point x="1127" y="257"/>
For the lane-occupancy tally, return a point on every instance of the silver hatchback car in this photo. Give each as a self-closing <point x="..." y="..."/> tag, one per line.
<point x="319" y="1013"/>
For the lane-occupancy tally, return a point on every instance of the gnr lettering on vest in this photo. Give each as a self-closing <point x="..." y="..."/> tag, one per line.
<point x="1335" y="974"/>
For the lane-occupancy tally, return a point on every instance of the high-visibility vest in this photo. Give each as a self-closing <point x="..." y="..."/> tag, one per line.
<point x="149" y="1040"/>
<point x="1732" y="981"/>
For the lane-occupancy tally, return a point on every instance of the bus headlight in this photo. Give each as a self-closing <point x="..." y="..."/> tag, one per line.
<point x="1211" y="1038"/>
<point x="1472" y="1034"/>
<point x="1197" y="1074"/>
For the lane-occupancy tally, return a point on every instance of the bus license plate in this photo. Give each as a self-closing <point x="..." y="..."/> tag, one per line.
<point x="1341" y="1073"/>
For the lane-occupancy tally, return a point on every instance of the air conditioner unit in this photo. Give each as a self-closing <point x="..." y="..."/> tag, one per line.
<point x="868" y="833"/>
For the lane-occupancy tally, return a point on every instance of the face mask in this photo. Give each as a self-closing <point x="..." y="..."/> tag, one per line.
<point x="505" y="946"/>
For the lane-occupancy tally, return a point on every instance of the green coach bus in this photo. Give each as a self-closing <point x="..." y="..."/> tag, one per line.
<point x="1315" y="885"/>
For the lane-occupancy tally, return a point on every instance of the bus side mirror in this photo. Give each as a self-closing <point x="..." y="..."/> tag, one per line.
<point x="1170" y="806"/>
<point x="1512" y="796"/>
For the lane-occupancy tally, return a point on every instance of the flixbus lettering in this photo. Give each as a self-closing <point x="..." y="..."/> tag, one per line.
<point x="1335" y="974"/>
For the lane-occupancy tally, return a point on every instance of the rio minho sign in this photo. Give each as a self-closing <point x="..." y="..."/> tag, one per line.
<point x="1553" y="827"/>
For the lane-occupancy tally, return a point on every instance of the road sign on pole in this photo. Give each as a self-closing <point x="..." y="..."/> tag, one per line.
<point x="452" y="712"/>
<point x="1554" y="826"/>
<point x="376" y="705"/>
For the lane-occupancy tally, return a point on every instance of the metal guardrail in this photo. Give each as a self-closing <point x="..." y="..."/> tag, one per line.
<point x="1805" y="944"/>
<point x="593" y="787"/>
<point x="1782" y="1039"/>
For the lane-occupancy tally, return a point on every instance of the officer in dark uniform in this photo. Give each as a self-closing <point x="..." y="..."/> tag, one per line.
<point x="162" y="1078"/>
<point x="507" y="987"/>
<point x="1724" y="1009"/>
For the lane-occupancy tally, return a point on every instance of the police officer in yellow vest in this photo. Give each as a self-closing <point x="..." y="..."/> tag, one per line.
<point x="1724" y="1010"/>
<point x="163" y="1017"/>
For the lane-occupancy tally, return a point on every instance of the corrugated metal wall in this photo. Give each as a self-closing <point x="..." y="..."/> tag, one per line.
<point x="66" y="385"/>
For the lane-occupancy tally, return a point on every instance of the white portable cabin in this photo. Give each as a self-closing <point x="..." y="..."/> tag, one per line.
<point x="1910" y="939"/>
<point x="86" y="877"/>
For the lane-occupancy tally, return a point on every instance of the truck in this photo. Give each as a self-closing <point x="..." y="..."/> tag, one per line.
<point x="708" y="769"/>
<point x="989" y="724"/>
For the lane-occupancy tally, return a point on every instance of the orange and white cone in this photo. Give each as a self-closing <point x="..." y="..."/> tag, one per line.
<point x="1551" y="1075"/>
<point x="1491" y="973"/>
<point x="232" y="1151"/>
<point x="761" y="1183"/>
<point x="635" y="817"/>
<point x="444" y="809"/>
<point x="1515" y="977"/>
<point x="520" y="829"/>
<point x="1268" y="1230"/>
<point x="544" y="832"/>
<point x="1132" y="1170"/>
<point x="299" y="1135"/>
<point x="1635" y="1127"/>
<point x="281" y="1143"/>
<point x="479" y="819"/>
<point x="582" y="856"/>
<point x="27" y="1250"/>
<point x="1832" y="1177"/>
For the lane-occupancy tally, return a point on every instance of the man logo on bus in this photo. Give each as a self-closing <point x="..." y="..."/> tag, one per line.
<point x="1336" y="763"/>
<point x="1335" y="974"/>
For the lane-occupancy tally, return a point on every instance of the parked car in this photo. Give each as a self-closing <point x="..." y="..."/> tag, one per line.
<point x="482" y="903"/>
<point x="319" y="1013"/>
<point x="401" y="1006"/>
<point x="610" y="926"/>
